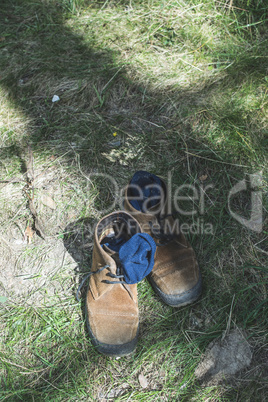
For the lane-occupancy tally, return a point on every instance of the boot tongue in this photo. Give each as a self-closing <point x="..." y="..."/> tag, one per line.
<point x="137" y="257"/>
<point x="112" y="254"/>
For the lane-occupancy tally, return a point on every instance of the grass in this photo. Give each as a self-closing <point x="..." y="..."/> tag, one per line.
<point x="183" y="84"/>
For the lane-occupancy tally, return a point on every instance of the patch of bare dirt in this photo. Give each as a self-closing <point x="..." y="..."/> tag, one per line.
<point x="34" y="268"/>
<point x="35" y="272"/>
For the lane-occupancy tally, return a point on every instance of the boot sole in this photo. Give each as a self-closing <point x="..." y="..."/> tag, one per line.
<point x="181" y="299"/>
<point x="111" y="350"/>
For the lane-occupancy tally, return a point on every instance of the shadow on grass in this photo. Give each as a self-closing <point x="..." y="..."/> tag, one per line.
<point x="44" y="56"/>
<point x="78" y="242"/>
<point x="41" y="56"/>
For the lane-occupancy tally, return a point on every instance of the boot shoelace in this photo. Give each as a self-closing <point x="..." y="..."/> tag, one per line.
<point x="114" y="276"/>
<point x="159" y="232"/>
<point x="135" y="260"/>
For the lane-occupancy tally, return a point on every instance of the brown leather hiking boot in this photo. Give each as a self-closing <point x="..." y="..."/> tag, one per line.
<point x="175" y="276"/>
<point x="122" y="256"/>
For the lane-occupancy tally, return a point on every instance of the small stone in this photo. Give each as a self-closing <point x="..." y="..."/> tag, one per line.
<point x="224" y="358"/>
<point x="48" y="201"/>
<point x="55" y="98"/>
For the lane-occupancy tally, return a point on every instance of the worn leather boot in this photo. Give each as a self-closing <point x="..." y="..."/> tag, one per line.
<point x="122" y="256"/>
<point x="175" y="276"/>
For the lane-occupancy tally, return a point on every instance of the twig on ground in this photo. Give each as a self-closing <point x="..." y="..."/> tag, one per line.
<point x="29" y="190"/>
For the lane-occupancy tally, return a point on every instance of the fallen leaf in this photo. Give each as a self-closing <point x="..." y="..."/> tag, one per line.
<point x="48" y="201"/>
<point x="203" y="177"/>
<point x="143" y="381"/>
<point x="29" y="234"/>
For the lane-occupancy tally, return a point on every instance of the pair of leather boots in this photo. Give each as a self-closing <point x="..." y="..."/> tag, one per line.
<point x="144" y="240"/>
